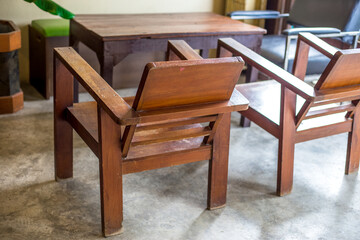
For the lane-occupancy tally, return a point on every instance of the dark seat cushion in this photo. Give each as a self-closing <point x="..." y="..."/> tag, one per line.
<point x="273" y="48"/>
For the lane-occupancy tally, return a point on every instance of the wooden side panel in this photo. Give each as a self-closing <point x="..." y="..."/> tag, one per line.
<point x="63" y="133"/>
<point x="110" y="174"/>
<point x="176" y="83"/>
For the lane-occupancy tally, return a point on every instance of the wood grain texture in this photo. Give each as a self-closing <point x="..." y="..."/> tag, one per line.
<point x="218" y="165"/>
<point x="286" y="142"/>
<point x="112" y="27"/>
<point x="322" y="113"/>
<point x="110" y="164"/>
<point x="317" y="43"/>
<point x="177" y="83"/>
<point x="178" y="157"/>
<point x="268" y="68"/>
<point x="63" y="133"/>
<point x="341" y="71"/>
<point x="165" y="127"/>
<point x="353" y="149"/>
<point x="111" y="102"/>
<point x="180" y="50"/>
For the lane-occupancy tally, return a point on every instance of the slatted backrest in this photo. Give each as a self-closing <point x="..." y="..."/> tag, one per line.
<point x="178" y="83"/>
<point x="342" y="70"/>
<point x="341" y="14"/>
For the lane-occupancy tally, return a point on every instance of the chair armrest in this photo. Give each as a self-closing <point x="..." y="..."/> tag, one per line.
<point x="265" y="66"/>
<point x="313" y="30"/>
<point x="100" y="90"/>
<point x="181" y="50"/>
<point x="257" y="14"/>
<point x="318" y="44"/>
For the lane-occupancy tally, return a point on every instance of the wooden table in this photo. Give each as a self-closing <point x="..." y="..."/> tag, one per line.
<point x="115" y="36"/>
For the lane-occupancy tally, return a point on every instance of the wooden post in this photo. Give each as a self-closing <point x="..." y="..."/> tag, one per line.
<point x="218" y="165"/>
<point x="353" y="149"/>
<point x="63" y="133"/>
<point x="110" y="166"/>
<point x="286" y="142"/>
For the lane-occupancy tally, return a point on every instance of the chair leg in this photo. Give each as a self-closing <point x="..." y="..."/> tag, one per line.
<point x="285" y="167"/>
<point x="286" y="142"/>
<point x="218" y="165"/>
<point x="244" y="122"/>
<point x="63" y="133"/>
<point x="353" y="149"/>
<point x="110" y="166"/>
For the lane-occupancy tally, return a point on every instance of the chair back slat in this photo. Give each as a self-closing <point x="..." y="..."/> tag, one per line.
<point x="343" y="70"/>
<point x="178" y="83"/>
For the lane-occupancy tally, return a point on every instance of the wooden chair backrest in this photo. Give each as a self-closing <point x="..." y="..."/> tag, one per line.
<point x="343" y="70"/>
<point x="178" y="83"/>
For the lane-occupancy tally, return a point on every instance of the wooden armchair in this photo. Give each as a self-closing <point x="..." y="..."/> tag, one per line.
<point x="162" y="126"/>
<point x="319" y="114"/>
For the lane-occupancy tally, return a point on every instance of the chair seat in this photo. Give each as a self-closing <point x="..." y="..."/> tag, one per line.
<point x="86" y="114"/>
<point x="273" y="48"/>
<point x="264" y="98"/>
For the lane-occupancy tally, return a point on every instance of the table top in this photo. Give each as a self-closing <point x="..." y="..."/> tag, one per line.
<point x="112" y="27"/>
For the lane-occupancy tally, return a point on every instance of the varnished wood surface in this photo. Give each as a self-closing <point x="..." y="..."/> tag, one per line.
<point x="116" y="107"/>
<point x="318" y="44"/>
<point x="132" y="26"/>
<point x="180" y="114"/>
<point x="63" y="133"/>
<point x="180" y="50"/>
<point x="110" y="169"/>
<point x="276" y="110"/>
<point x="342" y="70"/>
<point x="177" y="83"/>
<point x="268" y="68"/>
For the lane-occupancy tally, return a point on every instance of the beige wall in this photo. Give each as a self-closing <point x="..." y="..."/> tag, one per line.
<point x="22" y="13"/>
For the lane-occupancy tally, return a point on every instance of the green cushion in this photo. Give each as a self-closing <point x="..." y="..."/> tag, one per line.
<point x="52" y="27"/>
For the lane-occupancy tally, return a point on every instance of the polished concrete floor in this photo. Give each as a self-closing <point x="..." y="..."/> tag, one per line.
<point x="170" y="203"/>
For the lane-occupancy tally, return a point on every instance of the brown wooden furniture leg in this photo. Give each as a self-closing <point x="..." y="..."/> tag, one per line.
<point x="353" y="151"/>
<point x="107" y="68"/>
<point x="286" y="142"/>
<point x="63" y="133"/>
<point x="110" y="165"/>
<point x="218" y="165"/>
<point x="204" y="53"/>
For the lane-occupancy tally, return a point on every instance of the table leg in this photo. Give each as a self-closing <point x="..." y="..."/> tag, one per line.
<point x="204" y="53"/>
<point x="106" y="68"/>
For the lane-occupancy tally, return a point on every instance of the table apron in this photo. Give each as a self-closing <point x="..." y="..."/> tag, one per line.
<point x="114" y="48"/>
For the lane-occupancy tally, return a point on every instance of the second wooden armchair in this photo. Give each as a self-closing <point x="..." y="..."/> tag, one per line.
<point x="162" y="126"/>
<point x="319" y="114"/>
